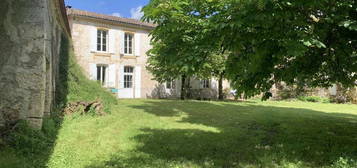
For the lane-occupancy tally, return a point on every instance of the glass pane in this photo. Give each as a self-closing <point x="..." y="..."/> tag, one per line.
<point x="104" y="40"/>
<point x="130" y="45"/>
<point x="125" y="44"/>
<point x="128" y="81"/>
<point x="99" y="36"/>
<point x="128" y="69"/>
<point x="104" y="33"/>
<point x="103" y="74"/>
<point x="98" y="40"/>
<point x="206" y="84"/>
<point x="99" y="33"/>
<point x="173" y="85"/>
<point x="98" y="73"/>
<point x="168" y="85"/>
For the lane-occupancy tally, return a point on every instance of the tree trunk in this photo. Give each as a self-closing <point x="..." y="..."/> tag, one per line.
<point x="183" y="83"/>
<point x="220" y="87"/>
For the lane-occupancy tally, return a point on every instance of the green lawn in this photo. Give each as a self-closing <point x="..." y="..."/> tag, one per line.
<point x="163" y="133"/>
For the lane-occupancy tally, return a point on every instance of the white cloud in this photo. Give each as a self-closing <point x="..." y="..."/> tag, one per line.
<point x="116" y="14"/>
<point x="136" y="13"/>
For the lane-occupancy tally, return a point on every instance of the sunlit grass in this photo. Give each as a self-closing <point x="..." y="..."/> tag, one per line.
<point x="160" y="133"/>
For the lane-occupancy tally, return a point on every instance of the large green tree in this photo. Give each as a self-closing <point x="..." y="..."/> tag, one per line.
<point x="181" y="47"/>
<point x="269" y="41"/>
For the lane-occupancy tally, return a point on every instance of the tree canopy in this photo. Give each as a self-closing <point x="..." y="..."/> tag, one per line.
<point x="268" y="41"/>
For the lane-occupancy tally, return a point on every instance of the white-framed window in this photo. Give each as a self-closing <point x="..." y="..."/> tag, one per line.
<point x="101" y="73"/>
<point x="170" y="85"/>
<point x="102" y="40"/>
<point x="128" y="43"/>
<point x="205" y="83"/>
<point x="128" y="77"/>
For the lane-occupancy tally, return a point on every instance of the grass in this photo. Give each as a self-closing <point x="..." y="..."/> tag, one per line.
<point x="170" y="133"/>
<point x="30" y="148"/>
<point x="163" y="133"/>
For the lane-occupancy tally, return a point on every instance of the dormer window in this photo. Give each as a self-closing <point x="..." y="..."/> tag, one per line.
<point x="102" y="40"/>
<point x="128" y="43"/>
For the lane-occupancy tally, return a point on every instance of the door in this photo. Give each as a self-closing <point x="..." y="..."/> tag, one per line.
<point x="127" y="82"/>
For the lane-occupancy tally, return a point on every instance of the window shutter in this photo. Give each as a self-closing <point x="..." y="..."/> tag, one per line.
<point x="93" y="37"/>
<point x="137" y="45"/>
<point x="137" y="82"/>
<point x="200" y="84"/>
<point x="111" y="41"/>
<point x="111" y="75"/>
<point x="178" y="86"/>
<point x="93" y="71"/>
<point x="121" y="79"/>
<point x="213" y="84"/>
<point x="333" y="90"/>
<point x="121" y="36"/>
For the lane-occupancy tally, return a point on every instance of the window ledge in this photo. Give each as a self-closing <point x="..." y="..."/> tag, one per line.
<point x="129" y="56"/>
<point x="98" y="53"/>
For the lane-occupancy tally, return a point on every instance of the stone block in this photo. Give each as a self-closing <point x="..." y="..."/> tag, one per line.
<point x="35" y="123"/>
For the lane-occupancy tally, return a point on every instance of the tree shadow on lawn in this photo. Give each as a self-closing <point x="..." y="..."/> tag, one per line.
<point x="249" y="134"/>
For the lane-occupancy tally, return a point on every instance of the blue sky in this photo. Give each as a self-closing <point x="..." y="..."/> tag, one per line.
<point x="123" y="8"/>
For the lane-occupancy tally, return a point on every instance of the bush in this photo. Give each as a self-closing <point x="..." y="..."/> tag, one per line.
<point x="344" y="163"/>
<point x="314" y="99"/>
<point x="27" y="141"/>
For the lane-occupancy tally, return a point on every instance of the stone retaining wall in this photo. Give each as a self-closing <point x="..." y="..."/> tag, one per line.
<point x="30" y="34"/>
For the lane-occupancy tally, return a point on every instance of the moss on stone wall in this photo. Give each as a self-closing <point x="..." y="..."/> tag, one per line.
<point x="25" y="146"/>
<point x="73" y="85"/>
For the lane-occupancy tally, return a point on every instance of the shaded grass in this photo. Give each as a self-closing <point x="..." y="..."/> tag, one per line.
<point x="25" y="147"/>
<point x="162" y="133"/>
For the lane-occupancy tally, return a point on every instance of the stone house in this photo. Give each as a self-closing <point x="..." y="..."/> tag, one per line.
<point x="112" y="50"/>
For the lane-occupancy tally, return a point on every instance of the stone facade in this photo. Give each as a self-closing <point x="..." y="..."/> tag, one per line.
<point x="85" y="27"/>
<point x="30" y="33"/>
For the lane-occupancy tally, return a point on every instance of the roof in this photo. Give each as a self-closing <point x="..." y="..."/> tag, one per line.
<point x="115" y="19"/>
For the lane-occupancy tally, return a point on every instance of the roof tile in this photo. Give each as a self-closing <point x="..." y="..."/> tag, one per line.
<point x="134" y="22"/>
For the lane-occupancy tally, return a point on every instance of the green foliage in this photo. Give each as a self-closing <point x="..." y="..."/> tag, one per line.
<point x="314" y="99"/>
<point x="27" y="140"/>
<point x="268" y="41"/>
<point x="180" y="42"/>
<point x="344" y="163"/>
<point x="74" y="86"/>
<point x="291" y="41"/>
<point x="30" y="148"/>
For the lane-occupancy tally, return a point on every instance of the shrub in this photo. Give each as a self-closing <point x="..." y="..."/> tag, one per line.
<point x="344" y="163"/>
<point x="314" y="99"/>
<point x="27" y="141"/>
